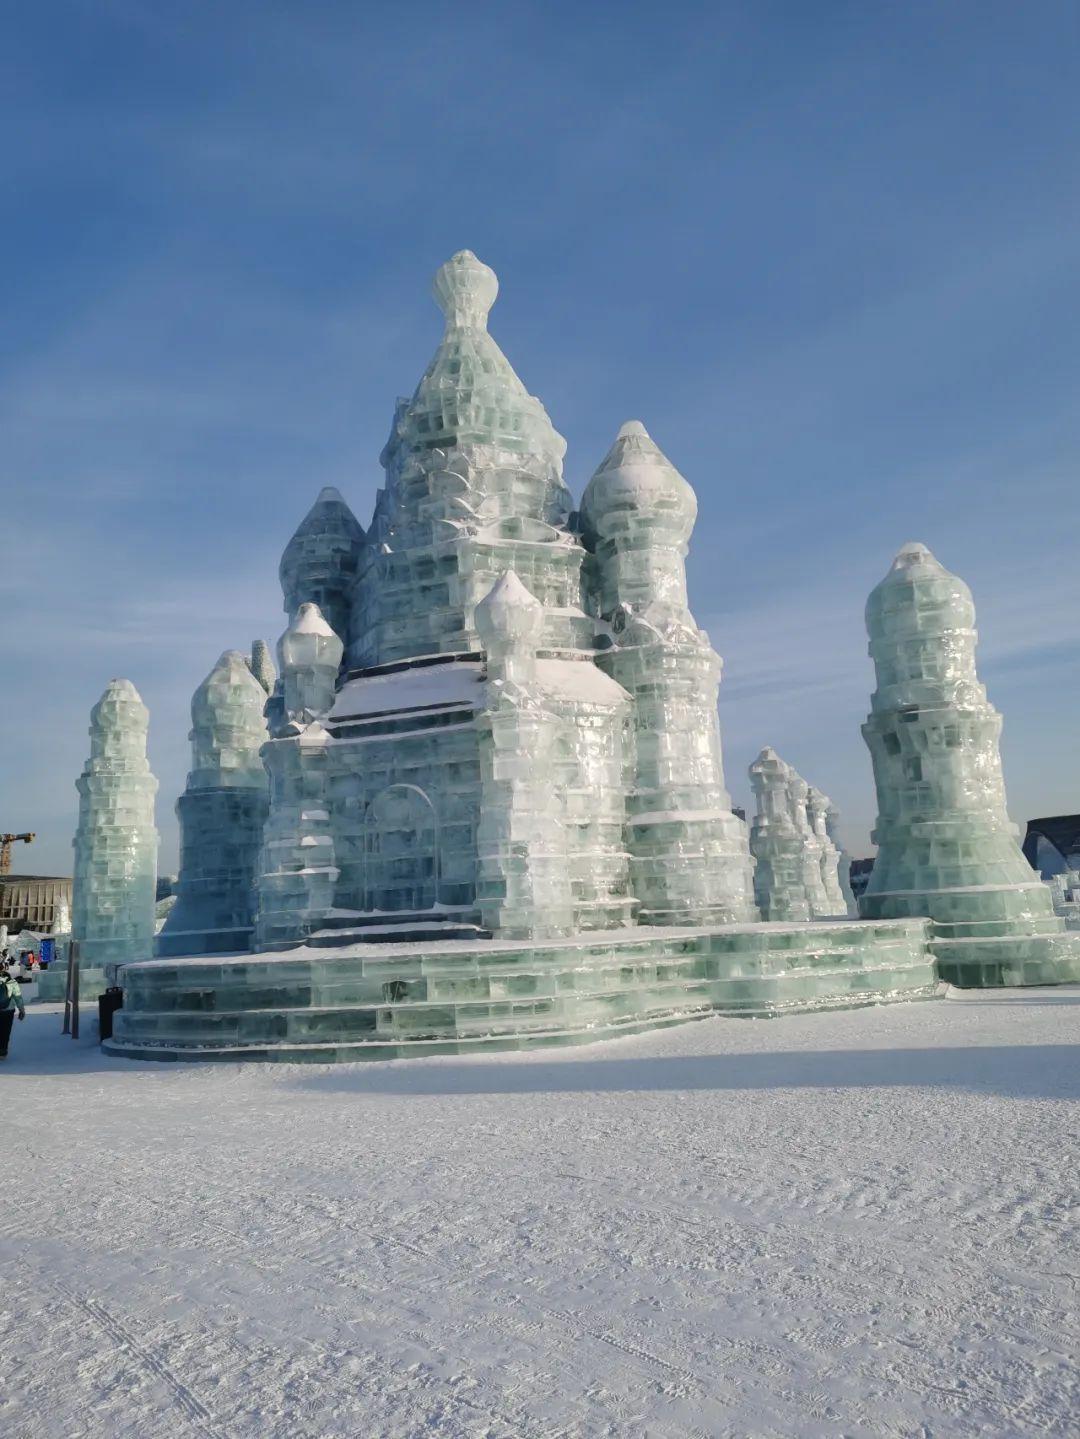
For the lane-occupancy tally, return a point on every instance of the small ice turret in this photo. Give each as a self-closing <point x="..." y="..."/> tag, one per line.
<point x="115" y="842"/>
<point x="689" y="855"/>
<point x="319" y="563"/>
<point x="946" y="845"/>
<point x="523" y="879"/>
<point x="221" y="814"/>
<point x="309" y="655"/>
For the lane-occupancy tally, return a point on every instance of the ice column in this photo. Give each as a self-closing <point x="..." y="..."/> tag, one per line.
<point x="946" y="846"/>
<point x="221" y="814"/>
<point x="523" y="881"/>
<point x="690" y="862"/>
<point x="115" y="842"/>
<point x="319" y="563"/>
<point x="297" y="869"/>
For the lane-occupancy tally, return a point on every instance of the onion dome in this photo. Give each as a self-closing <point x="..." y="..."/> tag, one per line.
<point x="508" y="614"/>
<point x="319" y="563"/>
<point x="636" y="481"/>
<point x="309" y="642"/>
<point x="469" y="394"/>
<point x="228" y="727"/>
<point x="118" y="722"/>
<point x="918" y="597"/>
<point x="921" y="623"/>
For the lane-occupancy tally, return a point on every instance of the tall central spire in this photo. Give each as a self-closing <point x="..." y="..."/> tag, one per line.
<point x="474" y="487"/>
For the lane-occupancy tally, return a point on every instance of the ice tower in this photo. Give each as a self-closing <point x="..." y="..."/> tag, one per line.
<point x="116" y="843"/>
<point x="946" y="845"/>
<point x="221" y="814"/>
<point x="690" y="861"/>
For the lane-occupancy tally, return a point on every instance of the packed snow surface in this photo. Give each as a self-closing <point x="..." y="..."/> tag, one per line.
<point x="859" y="1223"/>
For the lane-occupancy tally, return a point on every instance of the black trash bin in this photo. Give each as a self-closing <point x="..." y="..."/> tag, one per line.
<point x="107" y="1005"/>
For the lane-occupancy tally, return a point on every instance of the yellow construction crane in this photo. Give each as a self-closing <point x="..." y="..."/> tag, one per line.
<point x="6" y="841"/>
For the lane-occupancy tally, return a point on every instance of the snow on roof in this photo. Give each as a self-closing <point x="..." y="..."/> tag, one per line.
<point x="421" y="688"/>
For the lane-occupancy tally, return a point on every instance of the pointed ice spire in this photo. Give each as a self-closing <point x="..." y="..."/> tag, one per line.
<point x="319" y="563"/>
<point x="309" y="653"/>
<point x="509" y="621"/>
<point x="470" y="394"/>
<point x="636" y="485"/>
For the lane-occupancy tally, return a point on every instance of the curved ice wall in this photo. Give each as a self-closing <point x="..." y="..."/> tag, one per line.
<point x="112" y="912"/>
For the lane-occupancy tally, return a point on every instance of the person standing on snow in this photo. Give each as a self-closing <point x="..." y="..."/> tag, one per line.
<point x="10" y="1001"/>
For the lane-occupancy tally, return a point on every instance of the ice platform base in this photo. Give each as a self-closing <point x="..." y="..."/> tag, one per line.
<point x="455" y="997"/>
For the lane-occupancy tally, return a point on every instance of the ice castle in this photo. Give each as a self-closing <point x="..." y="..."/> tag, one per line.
<point x="496" y="810"/>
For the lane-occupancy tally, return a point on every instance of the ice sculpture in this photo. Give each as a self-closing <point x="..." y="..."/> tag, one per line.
<point x="319" y="563"/>
<point x="1065" y="896"/>
<point x="520" y="754"/>
<point x="689" y="856"/>
<point x="115" y="842"/>
<point x="798" y="867"/>
<point x="297" y="870"/>
<point x="946" y="846"/>
<point x="221" y="814"/>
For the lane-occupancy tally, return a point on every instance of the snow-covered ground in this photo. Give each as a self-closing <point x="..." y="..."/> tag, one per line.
<point x="860" y="1223"/>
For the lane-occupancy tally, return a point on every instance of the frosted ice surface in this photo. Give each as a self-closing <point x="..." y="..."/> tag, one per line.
<point x="115" y="842"/>
<point x="221" y="814"/>
<point x="946" y="845"/>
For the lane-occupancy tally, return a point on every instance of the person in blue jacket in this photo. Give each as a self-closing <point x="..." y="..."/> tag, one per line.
<point x="10" y="1000"/>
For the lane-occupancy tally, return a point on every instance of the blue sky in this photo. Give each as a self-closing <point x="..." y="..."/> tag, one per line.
<point x="828" y="253"/>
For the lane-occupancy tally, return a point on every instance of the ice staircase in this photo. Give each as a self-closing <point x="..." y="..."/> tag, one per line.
<point x="383" y="1001"/>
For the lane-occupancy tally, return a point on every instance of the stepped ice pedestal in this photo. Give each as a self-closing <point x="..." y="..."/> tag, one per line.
<point x="116" y="843"/>
<point x="946" y="845"/>
<point x="221" y="814"/>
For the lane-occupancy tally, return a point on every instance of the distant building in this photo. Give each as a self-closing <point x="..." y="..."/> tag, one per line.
<point x="1052" y="845"/>
<point x="29" y="901"/>
<point x="860" y="875"/>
